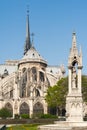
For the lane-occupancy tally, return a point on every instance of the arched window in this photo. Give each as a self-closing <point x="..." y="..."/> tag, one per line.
<point x="38" y="108"/>
<point x="24" y="108"/>
<point x="41" y="77"/>
<point x="34" y="74"/>
<point x="23" y="83"/>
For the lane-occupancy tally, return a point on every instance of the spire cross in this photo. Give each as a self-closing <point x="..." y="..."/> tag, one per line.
<point x="27" y="9"/>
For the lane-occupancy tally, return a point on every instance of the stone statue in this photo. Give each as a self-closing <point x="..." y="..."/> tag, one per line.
<point x="73" y="77"/>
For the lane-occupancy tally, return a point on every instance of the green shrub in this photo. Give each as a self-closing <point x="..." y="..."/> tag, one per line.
<point x="4" y="113"/>
<point x="48" y="116"/>
<point x="44" y="116"/>
<point x="25" y="116"/>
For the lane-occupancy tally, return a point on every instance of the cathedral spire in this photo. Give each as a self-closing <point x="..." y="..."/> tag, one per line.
<point x="27" y="45"/>
<point x="74" y="40"/>
<point x="74" y="49"/>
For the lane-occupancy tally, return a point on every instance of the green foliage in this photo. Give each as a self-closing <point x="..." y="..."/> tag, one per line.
<point x="4" y="113"/>
<point x="25" y="116"/>
<point x="56" y="95"/>
<point x="45" y="116"/>
<point x="84" y="88"/>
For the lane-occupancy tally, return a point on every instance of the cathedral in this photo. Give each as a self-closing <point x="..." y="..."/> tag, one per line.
<point x="24" y="82"/>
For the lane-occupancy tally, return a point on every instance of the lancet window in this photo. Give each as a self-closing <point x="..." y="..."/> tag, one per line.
<point x="41" y="77"/>
<point x="34" y="74"/>
<point x="23" y="84"/>
<point x="38" y="108"/>
<point x="24" y="108"/>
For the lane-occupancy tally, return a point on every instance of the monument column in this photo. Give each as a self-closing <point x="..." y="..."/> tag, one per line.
<point x="69" y="80"/>
<point x="79" y="79"/>
<point x="74" y="102"/>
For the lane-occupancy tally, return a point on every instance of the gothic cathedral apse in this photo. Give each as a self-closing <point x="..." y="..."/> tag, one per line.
<point x="24" y="82"/>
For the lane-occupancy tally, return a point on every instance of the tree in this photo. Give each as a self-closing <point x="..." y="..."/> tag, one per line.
<point x="84" y="88"/>
<point x="4" y="113"/>
<point x="56" y="95"/>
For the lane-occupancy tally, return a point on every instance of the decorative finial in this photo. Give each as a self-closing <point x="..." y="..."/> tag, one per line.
<point x="32" y="34"/>
<point x="74" y="32"/>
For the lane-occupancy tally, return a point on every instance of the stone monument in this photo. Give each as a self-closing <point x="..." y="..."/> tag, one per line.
<point x="74" y="101"/>
<point x="74" y="98"/>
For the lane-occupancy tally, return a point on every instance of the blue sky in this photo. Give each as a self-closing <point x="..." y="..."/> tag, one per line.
<point x="52" y="22"/>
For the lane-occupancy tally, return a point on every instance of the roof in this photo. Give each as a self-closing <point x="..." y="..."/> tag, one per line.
<point x="32" y="56"/>
<point x="53" y="69"/>
<point x="9" y="68"/>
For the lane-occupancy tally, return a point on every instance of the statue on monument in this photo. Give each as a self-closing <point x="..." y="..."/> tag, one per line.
<point x="74" y="85"/>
